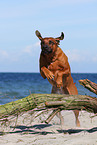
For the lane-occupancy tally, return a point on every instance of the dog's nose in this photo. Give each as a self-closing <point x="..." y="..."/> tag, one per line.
<point x="45" y="46"/>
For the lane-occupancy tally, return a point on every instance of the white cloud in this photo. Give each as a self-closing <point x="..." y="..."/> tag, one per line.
<point x="74" y="55"/>
<point x="28" y="49"/>
<point x="32" y="49"/>
<point x="94" y="58"/>
<point x="83" y="55"/>
<point x="15" y="55"/>
<point x="37" y="44"/>
<point x="9" y="56"/>
<point x="3" y="54"/>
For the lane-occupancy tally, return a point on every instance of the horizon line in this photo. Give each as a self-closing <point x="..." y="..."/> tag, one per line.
<point x="39" y="72"/>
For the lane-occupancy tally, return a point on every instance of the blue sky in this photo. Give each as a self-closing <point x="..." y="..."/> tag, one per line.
<point x="19" y="46"/>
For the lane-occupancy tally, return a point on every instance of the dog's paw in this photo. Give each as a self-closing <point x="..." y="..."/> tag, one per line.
<point x="50" y="76"/>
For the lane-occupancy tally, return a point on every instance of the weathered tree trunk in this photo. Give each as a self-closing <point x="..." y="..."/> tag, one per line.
<point x="45" y="101"/>
<point x="89" y="85"/>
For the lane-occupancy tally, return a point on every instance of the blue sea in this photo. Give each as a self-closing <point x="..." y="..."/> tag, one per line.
<point x="15" y="86"/>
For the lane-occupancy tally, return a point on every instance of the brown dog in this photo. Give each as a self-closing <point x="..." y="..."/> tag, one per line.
<point x="55" y="67"/>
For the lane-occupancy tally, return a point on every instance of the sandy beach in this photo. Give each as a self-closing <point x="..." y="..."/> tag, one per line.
<point x="25" y="131"/>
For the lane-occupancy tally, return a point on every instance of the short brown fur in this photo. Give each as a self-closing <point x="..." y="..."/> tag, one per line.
<point x="55" y="67"/>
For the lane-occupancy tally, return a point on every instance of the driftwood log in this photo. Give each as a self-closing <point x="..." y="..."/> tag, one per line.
<point x="89" y="85"/>
<point x="39" y="102"/>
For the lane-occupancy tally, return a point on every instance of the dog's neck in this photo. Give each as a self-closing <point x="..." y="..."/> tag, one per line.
<point x="55" y="56"/>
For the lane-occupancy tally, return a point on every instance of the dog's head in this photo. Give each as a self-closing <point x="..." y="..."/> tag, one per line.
<point x="49" y="44"/>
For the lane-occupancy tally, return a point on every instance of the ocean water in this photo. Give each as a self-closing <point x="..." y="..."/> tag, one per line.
<point x="15" y="86"/>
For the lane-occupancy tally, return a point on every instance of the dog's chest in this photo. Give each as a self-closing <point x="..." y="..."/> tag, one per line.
<point x="50" y="60"/>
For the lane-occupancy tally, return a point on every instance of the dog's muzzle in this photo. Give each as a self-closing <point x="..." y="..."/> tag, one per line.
<point x="46" y="49"/>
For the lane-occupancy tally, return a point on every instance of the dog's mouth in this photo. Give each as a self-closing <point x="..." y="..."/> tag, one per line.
<point x="46" y="50"/>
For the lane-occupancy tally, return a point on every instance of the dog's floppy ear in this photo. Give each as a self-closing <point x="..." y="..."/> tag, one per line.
<point x="60" y="38"/>
<point x="38" y="34"/>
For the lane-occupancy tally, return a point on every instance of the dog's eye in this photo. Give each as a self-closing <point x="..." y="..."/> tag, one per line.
<point x="51" y="42"/>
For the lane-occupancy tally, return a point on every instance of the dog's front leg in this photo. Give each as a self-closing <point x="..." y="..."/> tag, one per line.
<point x="48" y="74"/>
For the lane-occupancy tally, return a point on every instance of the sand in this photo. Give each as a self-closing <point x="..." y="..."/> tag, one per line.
<point x="28" y="132"/>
